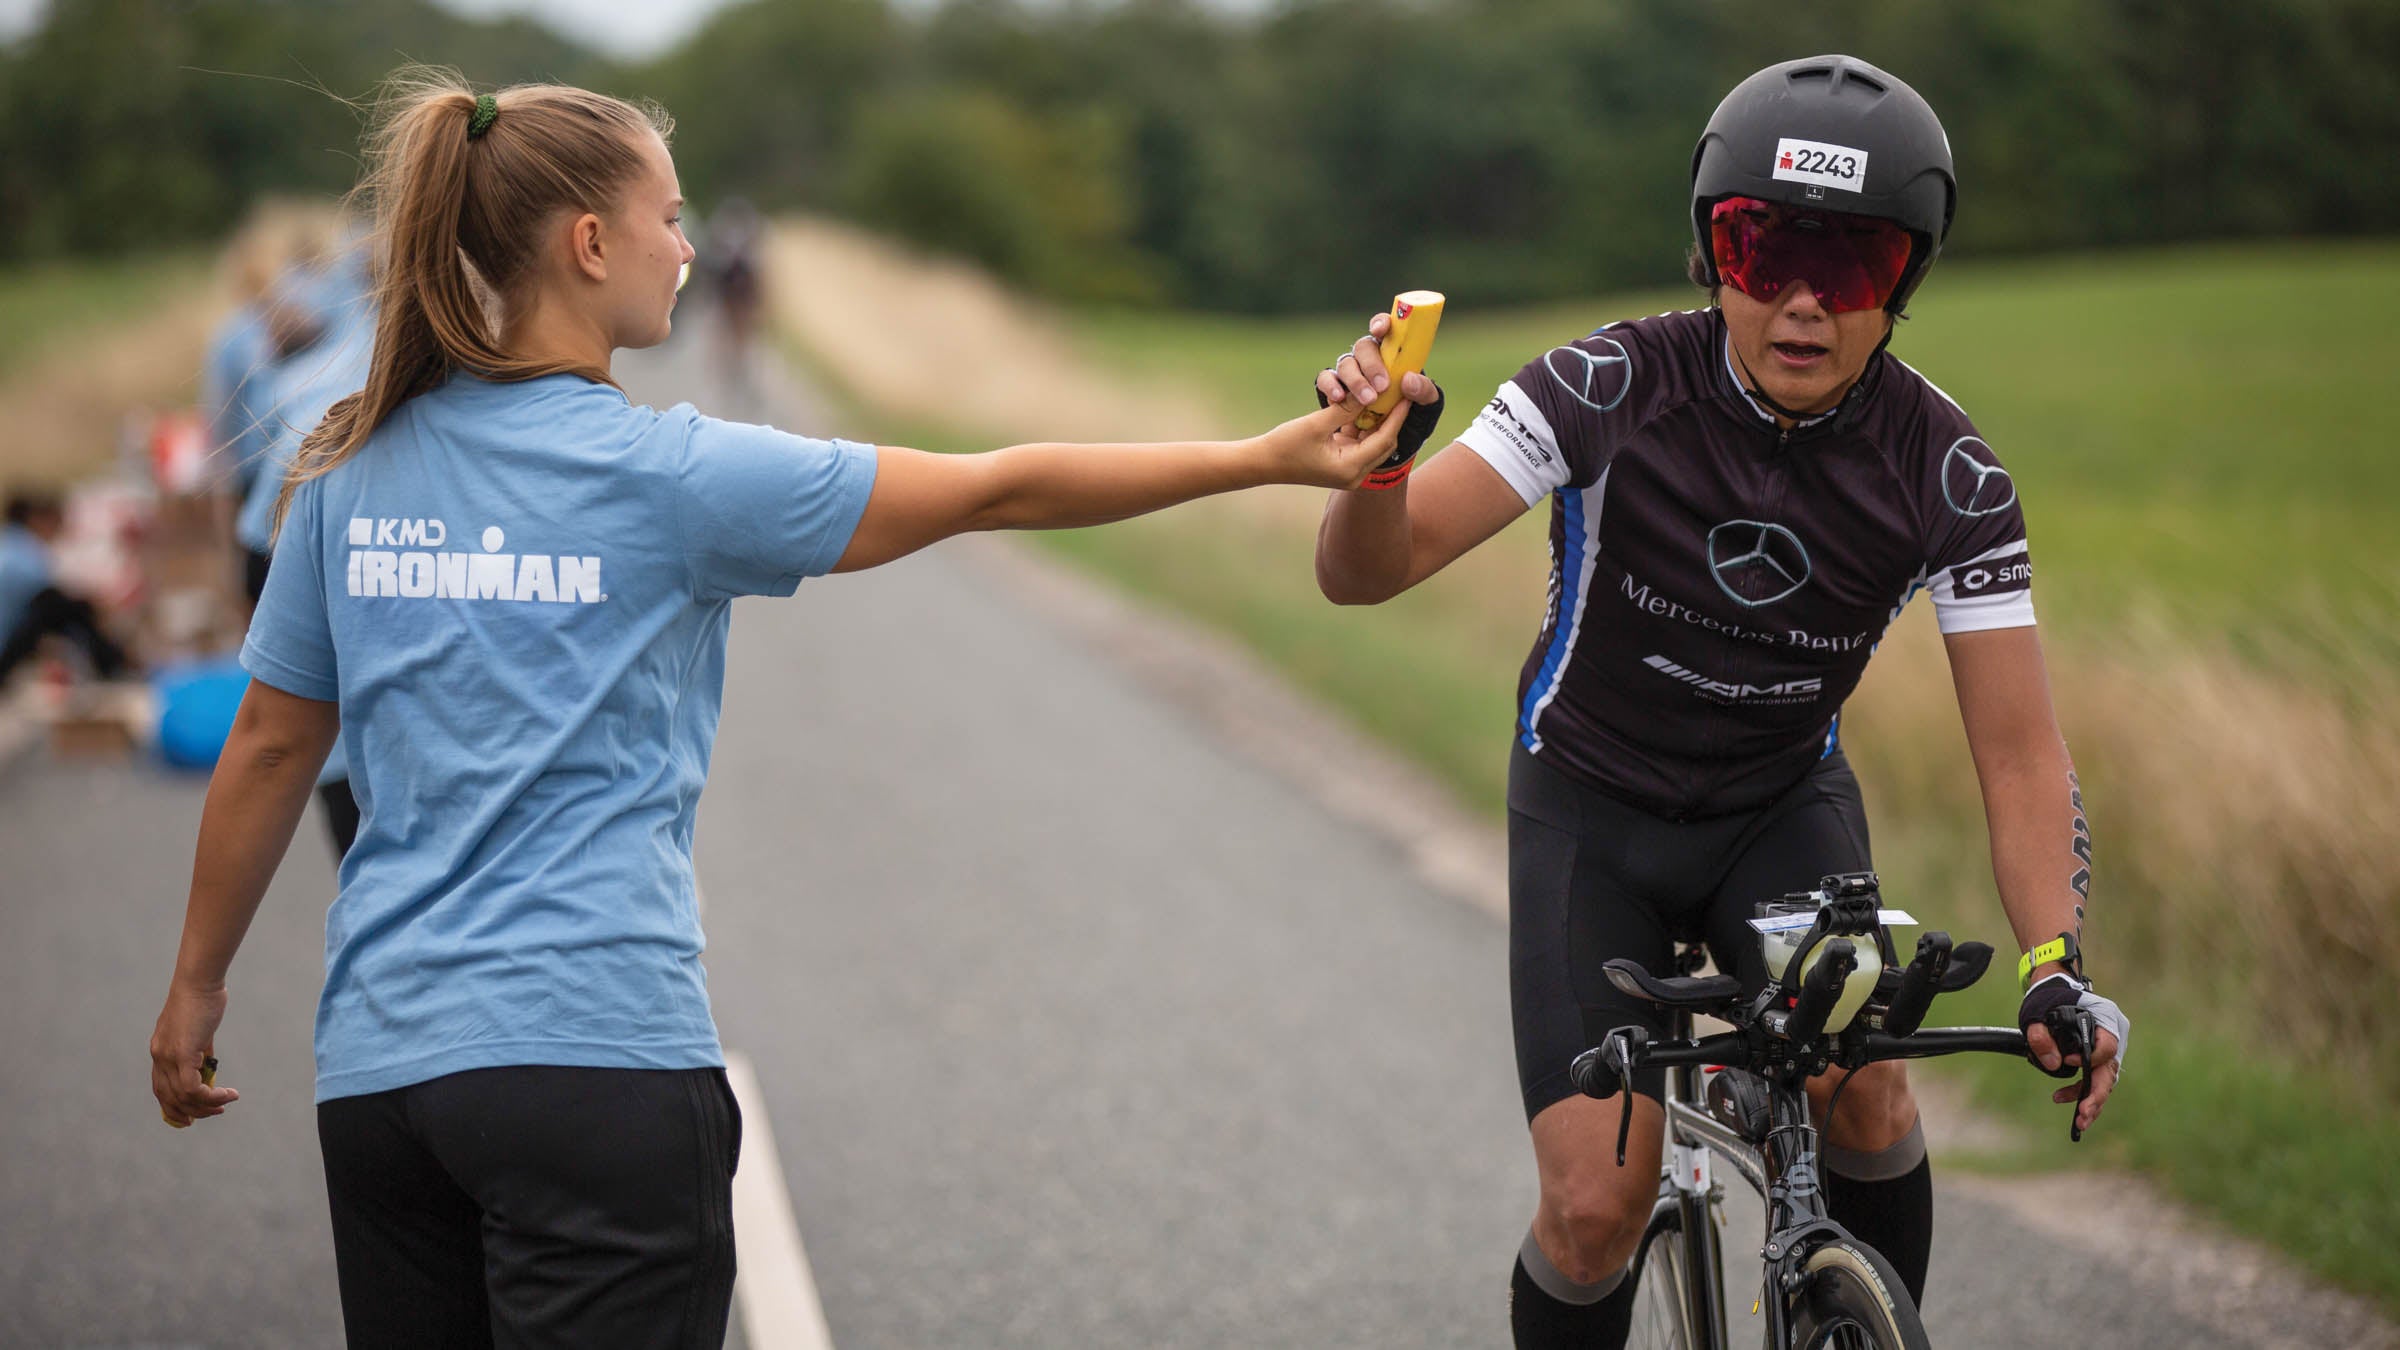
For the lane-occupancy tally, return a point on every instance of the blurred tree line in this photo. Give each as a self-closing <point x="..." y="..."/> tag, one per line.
<point x="1159" y="151"/>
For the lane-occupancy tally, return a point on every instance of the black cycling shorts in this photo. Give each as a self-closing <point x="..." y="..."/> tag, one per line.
<point x="1590" y="878"/>
<point x="536" y="1206"/>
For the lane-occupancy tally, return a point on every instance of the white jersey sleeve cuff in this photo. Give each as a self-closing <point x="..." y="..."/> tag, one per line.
<point x="1515" y="438"/>
<point x="1994" y="589"/>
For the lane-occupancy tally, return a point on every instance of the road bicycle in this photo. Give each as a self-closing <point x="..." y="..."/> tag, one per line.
<point x="1841" y="999"/>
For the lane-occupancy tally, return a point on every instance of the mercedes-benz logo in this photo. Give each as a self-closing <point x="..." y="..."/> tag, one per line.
<point x="1972" y="486"/>
<point x="1597" y="380"/>
<point x="1770" y="565"/>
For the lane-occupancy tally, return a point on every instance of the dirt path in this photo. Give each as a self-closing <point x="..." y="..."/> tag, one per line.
<point x="940" y="343"/>
<point x="65" y="408"/>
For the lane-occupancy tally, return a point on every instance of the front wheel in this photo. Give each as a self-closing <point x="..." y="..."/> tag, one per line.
<point x="1676" y="1302"/>
<point x="1854" y="1301"/>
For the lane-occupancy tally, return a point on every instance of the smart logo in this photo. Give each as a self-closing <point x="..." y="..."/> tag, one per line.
<point x="1996" y="577"/>
<point x="395" y="558"/>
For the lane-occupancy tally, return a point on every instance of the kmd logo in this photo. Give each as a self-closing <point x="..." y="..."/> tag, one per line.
<point x="1972" y="486"/>
<point x="1597" y="380"/>
<point x="395" y="571"/>
<point x="1756" y="563"/>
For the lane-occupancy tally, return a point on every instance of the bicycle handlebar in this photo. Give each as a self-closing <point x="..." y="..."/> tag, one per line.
<point x="1598" y="1072"/>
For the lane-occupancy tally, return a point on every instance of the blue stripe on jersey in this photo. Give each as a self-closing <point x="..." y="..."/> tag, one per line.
<point x="1570" y="576"/>
<point x="1833" y="737"/>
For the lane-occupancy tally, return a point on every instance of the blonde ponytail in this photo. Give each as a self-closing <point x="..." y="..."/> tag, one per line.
<point x="458" y="223"/>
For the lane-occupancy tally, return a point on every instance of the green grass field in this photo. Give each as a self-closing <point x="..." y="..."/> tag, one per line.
<point x="48" y="303"/>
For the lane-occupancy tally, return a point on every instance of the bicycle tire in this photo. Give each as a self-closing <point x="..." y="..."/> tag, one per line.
<point x="1854" y="1300"/>
<point x="1674" y="1258"/>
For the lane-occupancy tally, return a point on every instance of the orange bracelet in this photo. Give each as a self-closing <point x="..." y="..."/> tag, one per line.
<point x="1388" y="478"/>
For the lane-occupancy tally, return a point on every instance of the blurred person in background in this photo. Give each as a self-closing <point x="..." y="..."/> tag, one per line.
<point x="1743" y="497"/>
<point x="333" y="301"/>
<point x="510" y="588"/>
<point x="736" y="237"/>
<point x="278" y="243"/>
<point x="32" y="607"/>
<point x="325" y="314"/>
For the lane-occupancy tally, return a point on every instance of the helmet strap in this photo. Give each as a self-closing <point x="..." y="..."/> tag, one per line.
<point x="1751" y="384"/>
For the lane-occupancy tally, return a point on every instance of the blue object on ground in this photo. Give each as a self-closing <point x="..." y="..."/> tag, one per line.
<point x="196" y="704"/>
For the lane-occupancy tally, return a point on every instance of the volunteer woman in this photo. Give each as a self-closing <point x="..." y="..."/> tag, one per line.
<point x="1742" y="497"/>
<point x="510" y="587"/>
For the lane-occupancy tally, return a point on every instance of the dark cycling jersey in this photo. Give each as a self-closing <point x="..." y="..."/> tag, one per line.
<point x="1717" y="584"/>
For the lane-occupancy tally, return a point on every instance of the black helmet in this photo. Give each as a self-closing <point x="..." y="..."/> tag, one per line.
<point x="1830" y="133"/>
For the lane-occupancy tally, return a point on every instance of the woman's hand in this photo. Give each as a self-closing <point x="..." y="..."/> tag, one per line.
<point x="184" y="1040"/>
<point x="1326" y="448"/>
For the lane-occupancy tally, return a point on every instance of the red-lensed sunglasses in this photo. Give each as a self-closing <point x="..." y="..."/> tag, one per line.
<point x="1849" y="262"/>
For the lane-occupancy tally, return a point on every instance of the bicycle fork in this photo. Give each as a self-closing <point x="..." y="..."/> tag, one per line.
<point x="1691" y="1181"/>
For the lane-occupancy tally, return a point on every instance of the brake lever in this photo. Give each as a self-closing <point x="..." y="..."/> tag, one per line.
<point x="2074" y="1032"/>
<point x="2086" y="1032"/>
<point x="1626" y="1084"/>
<point x="1625" y="1116"/>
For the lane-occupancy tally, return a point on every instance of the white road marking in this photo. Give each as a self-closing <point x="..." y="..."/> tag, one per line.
<point x="772" y="1288"/>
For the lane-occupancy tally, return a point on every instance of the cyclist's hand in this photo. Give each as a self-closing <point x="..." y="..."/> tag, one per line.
<point x="2105" y="1068"/>
<point x="184" y="1039"/>
<point x="2060" y="992"/>
<point x="1325" y="449"/>
<point x="1358" y="376"/>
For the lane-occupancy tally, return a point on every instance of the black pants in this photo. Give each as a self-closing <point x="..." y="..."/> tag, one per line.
<point x="1590" y="878"/>
<point x="536" y="1206"/>
<point x="341" y="815"/>
<point x="254" y="573"/>
<point x="53" y="612"/>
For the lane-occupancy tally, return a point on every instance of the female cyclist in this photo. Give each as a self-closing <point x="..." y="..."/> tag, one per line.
<point x="509" y="587"/>
<point x="1742" y="499"/>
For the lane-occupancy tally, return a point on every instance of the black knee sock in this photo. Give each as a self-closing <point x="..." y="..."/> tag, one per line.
<point x="1541" y="1322"/>
<point x="1895" y="1217"/>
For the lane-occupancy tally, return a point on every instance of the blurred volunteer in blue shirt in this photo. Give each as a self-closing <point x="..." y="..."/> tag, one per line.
<point x="510" y="587"/>
<point x="32" y="607"/>
<point x="332" y="301"/>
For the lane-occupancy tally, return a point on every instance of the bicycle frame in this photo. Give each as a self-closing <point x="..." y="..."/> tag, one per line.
<point x="1688" y="1184"/>
<point x="1778" y="1034"/>
<point x="1782" y="1169"/>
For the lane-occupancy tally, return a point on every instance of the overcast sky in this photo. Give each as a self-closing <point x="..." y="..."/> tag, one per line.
<point x="612" y="26"/>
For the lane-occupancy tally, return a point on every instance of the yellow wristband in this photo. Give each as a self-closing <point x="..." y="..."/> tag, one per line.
<point x="2060" y="948"/>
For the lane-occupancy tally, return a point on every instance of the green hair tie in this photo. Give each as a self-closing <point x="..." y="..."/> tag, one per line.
<point x="487" y="111"/>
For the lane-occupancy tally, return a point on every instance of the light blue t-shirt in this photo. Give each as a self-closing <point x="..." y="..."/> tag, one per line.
<point x="240" y="353"/>
<point x="24" y="572"/>
<point x="519" y="595"/>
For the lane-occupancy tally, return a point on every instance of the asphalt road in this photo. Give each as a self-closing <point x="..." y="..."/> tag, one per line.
<point x="1075" y="1027"/>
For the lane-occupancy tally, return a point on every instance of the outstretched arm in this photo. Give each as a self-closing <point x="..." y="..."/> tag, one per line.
<point x="261" y="786"/>
<point x="920" y="498"/>
<point x="2041" y="843"/>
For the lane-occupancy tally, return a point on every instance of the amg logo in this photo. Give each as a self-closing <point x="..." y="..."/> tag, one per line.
<point x="397" y="573"/>
<point x="1993" y="578"/>
<point x="1800" y="690"/>
<point x="1504" y="419"/>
